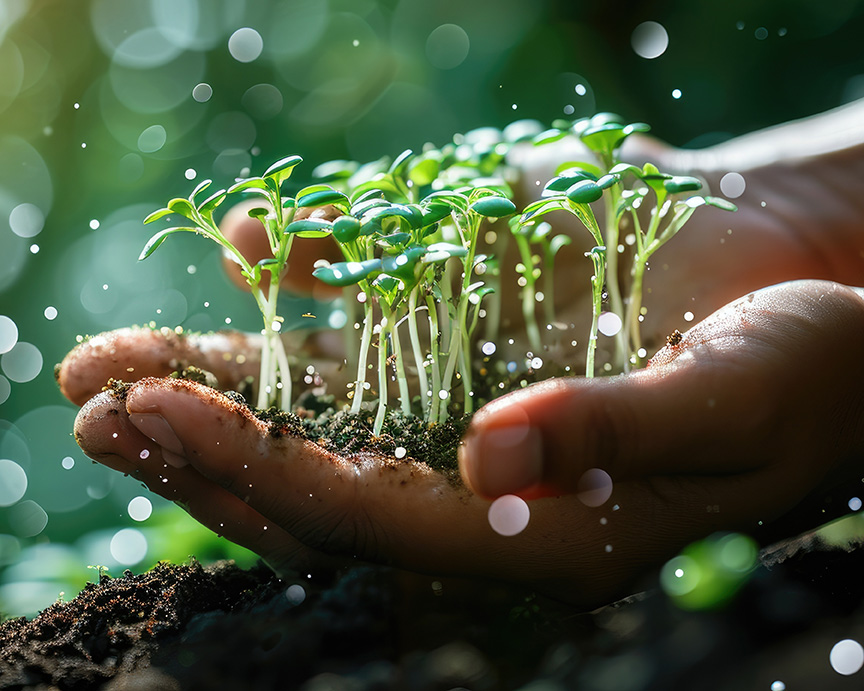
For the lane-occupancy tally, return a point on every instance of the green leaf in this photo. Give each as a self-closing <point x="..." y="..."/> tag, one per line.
<point x="156" y="215"/>
<point x="343" y="274"/>
<point x="200" y="187"/>
<point x="682" y="183"/>
<point x="607" y="181"/>
<point x="435" y="211"/>
<point x="402" y="265"/>
<point x="494" y="207"/>
<point x="282" y="169"/>
<point x="543" y="206"/>
<point x="159" y="238"/>
<point x="423" y="171"/>
<point x="209" y="205"/>
<point x="309" y="228"/>
<point x="248" y="184"/>
<point x="320" y="198"/>
<point x="412" y="214"/>
<point x="549" y="137"/>
<point x="721" y="203"/>
<point x="335" y="170"/>
<point x="259" y="212"/>
<point x="394" y="239"/>
<point x="441" y="251"/>
<point x="182" y="206"/>
<point x="540" y="231"/>
<point x="584" y="192"/>
<point x="346" y="229"/>
<point x="456" y="200"/>
<point x="399" y="165"/>
<point x="386" y="284"/>
<point x="622" y="168"/>
<point x="522" y="131"/>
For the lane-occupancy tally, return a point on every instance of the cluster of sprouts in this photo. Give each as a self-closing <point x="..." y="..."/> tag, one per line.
<point x="409" y="234"/>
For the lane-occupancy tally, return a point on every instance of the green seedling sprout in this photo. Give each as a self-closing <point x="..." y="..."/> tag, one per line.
<point x="579" y="184"/>
<point x="409" y="234"/>
<point x="277" y="215"/>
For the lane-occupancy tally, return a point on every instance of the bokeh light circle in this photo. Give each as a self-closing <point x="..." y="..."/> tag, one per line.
<point x="263" y="101"/>
<point x="27" y="518"/>
<point x="202" y="92"/>
<point x="649" y="40"/>
<point x="594" y="487"/>
<point x="847" y="657"/>
<point x="245" y="45"/>
<point x="139" y="508"/>
<point x="295" y="594"/>
<point x="13" y="482"/>
<point x="128" y="546"/>
<point x="22" y="363"/>
<point x="509" y="515"/>
<point x="8" y="334"/>
<point x="5" y="389"/>
<point x="152" y="139"/>
<point x="733" y="185"/>
<point x="447" y="46"/>
<point x="26" y="220"/>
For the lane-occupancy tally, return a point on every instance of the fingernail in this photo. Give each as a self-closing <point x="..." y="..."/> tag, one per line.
<point x="503" y="460"/>
<point x="157" y="428"/>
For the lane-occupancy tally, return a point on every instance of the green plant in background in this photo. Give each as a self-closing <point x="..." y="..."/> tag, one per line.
<point x="578" y="184"/>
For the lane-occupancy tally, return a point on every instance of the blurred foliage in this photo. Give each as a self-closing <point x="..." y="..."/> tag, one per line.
<point x="100" y="119"/>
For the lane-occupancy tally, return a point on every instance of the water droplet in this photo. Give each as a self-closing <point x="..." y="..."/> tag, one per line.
<point x="676" y="94"/>
<point x="400" y="452"/>
<point x="568" y="110"/>
<point x="355" y="43"/>
<point x="190" y="174"/>
<point x="514" y="106"/>
<point x="443" y="395"/>
<point x="580" y="89"/>
<point x="145" y="454"/>
<point x="34" y="249"/>
<point x="854" y="504"/>
<point x="68" y="463"/>
<point x="778" y="686"/>
<point x="608" y="548"/>
<point x="847" y="657"/>
<point x="488" y="348"/>
<point x="761" y="33"/>
<point x="649" y="40"/>
<point x="94" y="224"/>
<point x="536" y="363"/>
<point x="688" y="316"/>
<point x="509" y="515"/>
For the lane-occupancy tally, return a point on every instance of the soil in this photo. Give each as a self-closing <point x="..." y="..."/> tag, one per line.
<point x="220" y="627"/>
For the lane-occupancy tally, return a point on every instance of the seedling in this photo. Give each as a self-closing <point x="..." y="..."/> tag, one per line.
<point x="277" y="215"/>
<point x="409" y="234"/>
<point x="579" y="184"/>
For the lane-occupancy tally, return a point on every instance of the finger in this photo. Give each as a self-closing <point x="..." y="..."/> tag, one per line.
<point x="367" y="506"/>
<point x="132" y="353"/>
<point x="104" y="432"/>
<point x="733" y="395"/>
<point x="247" y="234"/>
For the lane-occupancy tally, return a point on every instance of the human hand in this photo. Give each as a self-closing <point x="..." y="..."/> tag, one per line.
<point x="744" y="421"/>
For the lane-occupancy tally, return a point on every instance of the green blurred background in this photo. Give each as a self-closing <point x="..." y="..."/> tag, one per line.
<point x="109" y="107"/>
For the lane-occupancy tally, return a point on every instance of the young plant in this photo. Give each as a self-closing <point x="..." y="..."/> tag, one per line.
<point x="577" y="185"/>
<point x="277" y="216"/>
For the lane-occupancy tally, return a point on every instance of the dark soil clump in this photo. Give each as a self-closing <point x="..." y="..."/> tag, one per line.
<point x="375" y="629"/>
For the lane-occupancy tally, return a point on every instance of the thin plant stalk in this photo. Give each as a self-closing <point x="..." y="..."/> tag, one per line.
<point x="599" y="260"/>
<point x="363" y="356"/>
<point x="416" y="349"/>
<point x="528" y="294"/>
<point x="435" y="354"/>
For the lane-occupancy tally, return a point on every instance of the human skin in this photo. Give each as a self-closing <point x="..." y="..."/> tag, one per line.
<point x="754" y="422"/>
